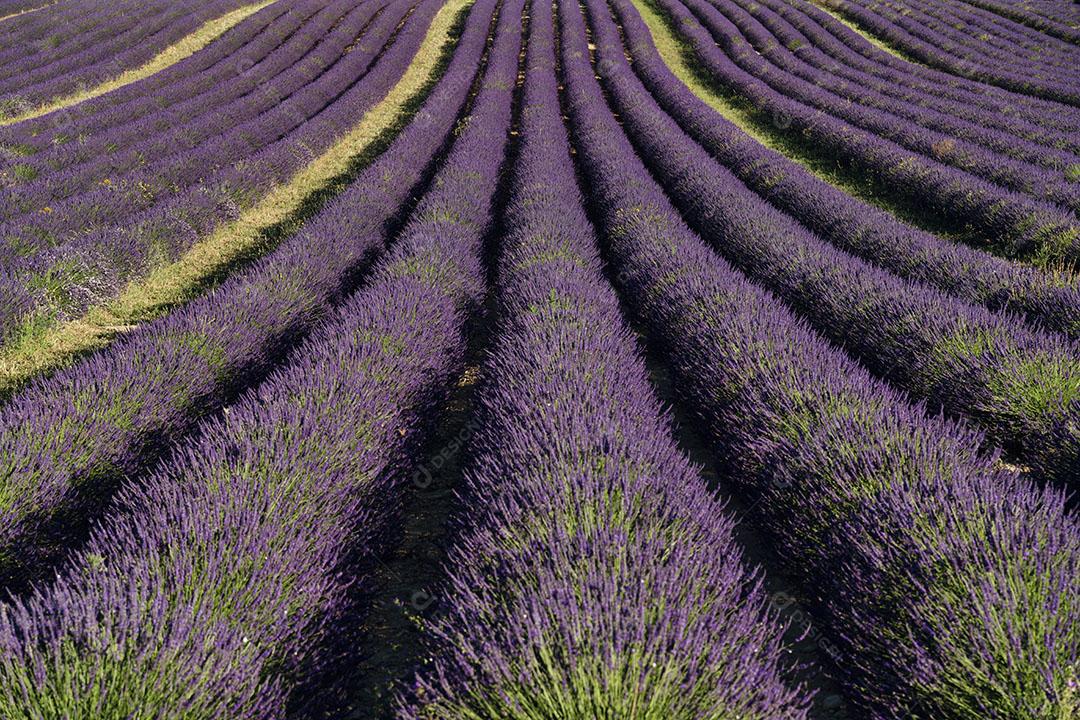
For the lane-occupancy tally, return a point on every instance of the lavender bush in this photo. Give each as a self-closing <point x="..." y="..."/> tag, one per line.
<point x="942" y="578"/>
<point x="1023" y="386"/>
<point x="846" y="222"/>
<point x="244" y="547"/>
<point x="66" y="441"/>
<point x="592" y="573"/>
<point x="1016" y="225"/>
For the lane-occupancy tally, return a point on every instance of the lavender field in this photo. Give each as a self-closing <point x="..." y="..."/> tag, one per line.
<point x="526" y="360"/>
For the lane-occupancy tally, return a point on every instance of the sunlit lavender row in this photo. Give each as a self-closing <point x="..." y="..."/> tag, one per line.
<point x="521" y="360"/>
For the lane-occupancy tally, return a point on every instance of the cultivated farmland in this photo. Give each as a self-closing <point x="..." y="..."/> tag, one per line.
<point x="564" y="360"/>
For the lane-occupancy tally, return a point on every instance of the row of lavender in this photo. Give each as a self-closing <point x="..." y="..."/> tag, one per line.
<point x="943" y="580"/>
<point x="838" y="460"/>
<point x="159" y="121"/>
<point x="11" y="8"/>
<point x="157" y="212"/>
<point x="1035" y="167"/>
<point x="223" y="577"/>
<point x="1060" y="20"/>
<point x="281" y="52"/>
<point x="830" y="46"/>
<point x="913" y="163"/>
<point x="67" y="440"/>
<point x="850" y="49"/>
<point x="1021" y="384"/>
<point x="592" y="573"/>
<point x="173" y="84"/>
<point x="80" y="43"/>
<point x="975" y="34"/>
<point x="847" y="222"/>
<point x="106" y="185"/>
<point x="937" y="49"/>
<point x="992" y="36"/>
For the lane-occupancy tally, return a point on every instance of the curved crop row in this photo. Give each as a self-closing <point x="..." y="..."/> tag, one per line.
<point x="853" y="50"/>
<point x="67" y="21"/>
<point x="196" y="85"/>
<point x="1015" y="225"/>
<point x="9" y="8"/>
<point x="150" y="148"/>
<point x="18" y="20"/>
<point x="174" y="53"/>
<point x="974" y="147"/>
<point x="977" y="36"/>
<point x="847" y="222"/>
<point x="930" y="145"/>
<point x="219" y="61"/>
<point x="1015" y="33"/>
<point x="258" y="118"/>
<point x="12" y="10"/>
<point x="1005" y="32"/>
<point x="61" y="30"/>
<point x="814" y="44"/>
<point x="67" y="440"/>
<point x="593" y="574"/>
<point x="69" y="277"/>
<point x="937" y="51"/>
<point x="248" y="541"/>
<point x="986" y="38"/>
<point x="1052" y="18"/>
<point x="1023" y="386"/>
<point x="949" y="585"/>
<point x="121" y="43"/>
